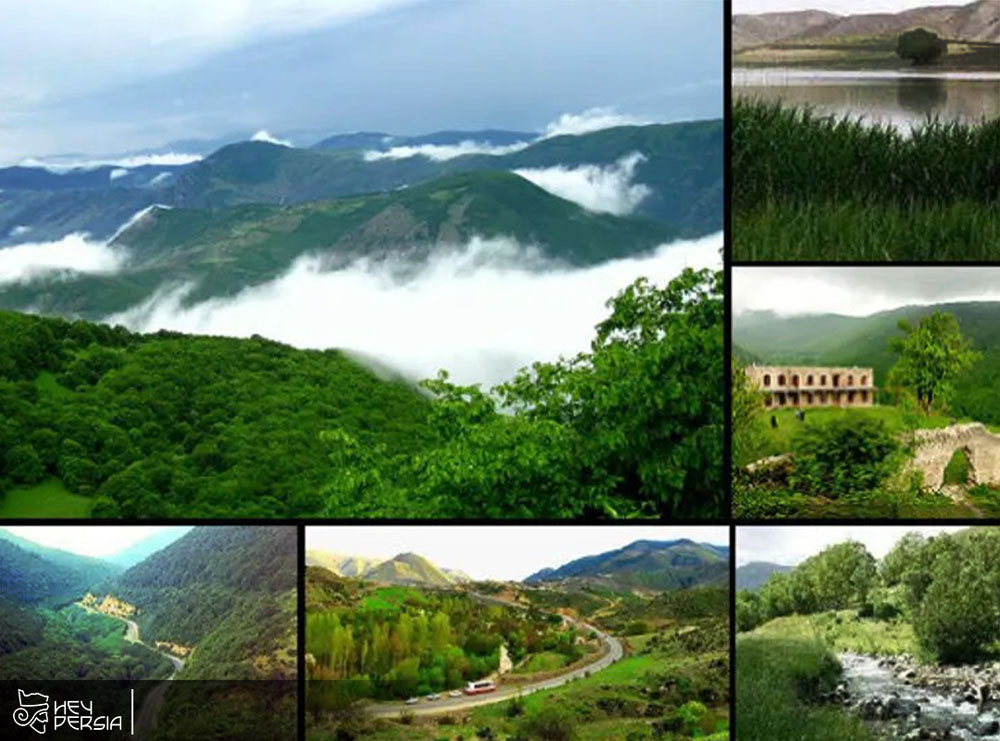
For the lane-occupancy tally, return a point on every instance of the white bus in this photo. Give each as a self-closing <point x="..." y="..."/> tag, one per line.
<point x="478" y="688"/>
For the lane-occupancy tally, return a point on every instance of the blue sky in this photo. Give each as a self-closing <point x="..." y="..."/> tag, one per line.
<point x="131" y="75"/>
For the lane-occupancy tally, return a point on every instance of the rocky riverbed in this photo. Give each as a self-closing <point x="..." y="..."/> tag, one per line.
<point x="903" y="699"/>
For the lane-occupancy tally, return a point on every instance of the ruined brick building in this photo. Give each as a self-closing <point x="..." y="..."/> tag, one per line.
<point x="811" y="386"/>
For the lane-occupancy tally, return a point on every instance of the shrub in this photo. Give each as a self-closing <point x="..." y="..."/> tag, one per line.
<point x="847" y="456"/>
<point x="552" y="723"/>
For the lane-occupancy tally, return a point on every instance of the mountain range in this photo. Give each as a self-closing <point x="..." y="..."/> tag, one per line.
<point x="833" y="339"/>
<point x="681" y="165"/>
<point x="977" y="21"/>
<point x="754" y="575"/>
<point x="671" y="564"/>
<point x="404" y="568"/>
<point x="228" y="591"/>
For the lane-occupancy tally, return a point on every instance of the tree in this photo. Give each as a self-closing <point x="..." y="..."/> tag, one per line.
<point x="920" y="46"/>
<point x="931" y="356"/>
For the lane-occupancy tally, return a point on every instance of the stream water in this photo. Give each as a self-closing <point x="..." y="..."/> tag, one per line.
<point x="898" y="708"/>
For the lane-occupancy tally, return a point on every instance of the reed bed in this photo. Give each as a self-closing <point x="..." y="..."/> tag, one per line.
<point x="807" y="186"/>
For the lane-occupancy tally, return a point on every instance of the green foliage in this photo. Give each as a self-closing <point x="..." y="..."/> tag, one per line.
<point x="228" y="591"/>
<point x="931" y="356"/>
<point x="551" y="723"/>
<point x="808" y="186"/>
<point x="947" y="587"/>
<point x="777" y="682"/>
<point x="920" y="46"/>
<point x="187" y="426"/>
<point x="847" y="457"/>
<point x="632" y="428"/>
<point x="396" y="642"/>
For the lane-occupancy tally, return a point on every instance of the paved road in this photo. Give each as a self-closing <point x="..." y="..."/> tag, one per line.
<point x="451" y="704"/>
<point x="145" y="719"/>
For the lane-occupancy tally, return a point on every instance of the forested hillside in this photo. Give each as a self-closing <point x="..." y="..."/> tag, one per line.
<point x="176" y="426"/>
<point x="32" y="573"/>
<point x="228" y="592"/>
<point x="184" y="426"/>
<point x="842" y="340"/>
<point x="655" y="565"/>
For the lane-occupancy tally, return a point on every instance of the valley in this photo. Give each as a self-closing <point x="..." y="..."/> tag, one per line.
<point x="903" y="434"/>
<point x="901" y="646"/>
<point x="560" y="653"/>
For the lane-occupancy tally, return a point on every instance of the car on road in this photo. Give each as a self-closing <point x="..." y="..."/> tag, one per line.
<point x="413" y="701"/>
<point x="434" y="696"/>
<point x="455" y="693"/>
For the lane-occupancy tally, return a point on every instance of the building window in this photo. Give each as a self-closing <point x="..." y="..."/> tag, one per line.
<point x="781" y="380"/>
<point x="864" y="380"/>
<point x="767" y="379"/>
<point x="768" y="401"/>
<point x="822" y="397"/>
<point x="809" y="380"/>
<point x="822" y="380"/>
<point x="808" y="397"/>
<point x="781" y="399"/>
<point x="795" y="381"/>
<point x="850" y="380"/>
<point x="850" y="397"/>
<point x="836" y="380"/>
<point x="864" y="397"/>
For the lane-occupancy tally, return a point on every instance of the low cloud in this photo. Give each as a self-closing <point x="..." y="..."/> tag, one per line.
<point x="264" y="136"/>
<point x="63" y="164"/>
<point x="482" y="310"/>
<point x="118" y="172"/>
<point x="592" y="119"/>
<point x="71" y="254"/>
<point x="19" y="231"/>
<point x="442" y="152"/>
<point x="603" y="189"/>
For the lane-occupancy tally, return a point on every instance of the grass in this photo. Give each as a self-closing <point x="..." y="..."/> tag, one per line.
<point x="957" y="470"/>
<point x="844" y="630"/>
<point x="778" y="679"/>
<point x="47" y="499"/>
<point x="871" y="232"/>
<point x="777" y="440"/>
<point x="808" y="186"/>
<point x="546" y="661"/>
<point x="863" y="52"/>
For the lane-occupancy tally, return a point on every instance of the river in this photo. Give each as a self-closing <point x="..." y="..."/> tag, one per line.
<point x="898" y="708"/>
<point x="898" y="98"/>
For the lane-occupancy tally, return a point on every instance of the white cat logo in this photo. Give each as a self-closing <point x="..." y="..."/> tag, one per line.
<point x="34" y="711"/>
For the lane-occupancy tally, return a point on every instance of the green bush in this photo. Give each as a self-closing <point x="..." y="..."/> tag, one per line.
<point x="847" y="456"/>
<point x="920" y="46"/>
<point x="551" y="723"/>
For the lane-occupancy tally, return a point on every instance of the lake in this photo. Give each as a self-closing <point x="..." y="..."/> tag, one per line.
<point x="897" y="98"/>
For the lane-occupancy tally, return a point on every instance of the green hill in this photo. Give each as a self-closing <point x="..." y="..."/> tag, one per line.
<point x="30" y="573"/>
<point x="408" y="568"/>
<point x="683" y="167"/>
<point x="227" y="591"/>
<point x="182" y="426"/>
<point x="840" y="340"/>
<point x="646" y="563"/>
<point x="226" y="250"/>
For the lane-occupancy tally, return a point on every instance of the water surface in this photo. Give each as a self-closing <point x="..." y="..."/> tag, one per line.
<point x="899" y="98"/>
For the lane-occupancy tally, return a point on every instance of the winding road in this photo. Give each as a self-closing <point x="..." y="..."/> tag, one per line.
<point x="145" y="719"/>
<point x="448" y="704"/>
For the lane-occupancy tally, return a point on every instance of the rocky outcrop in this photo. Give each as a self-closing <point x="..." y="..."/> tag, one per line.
<point x="935" y="448"/>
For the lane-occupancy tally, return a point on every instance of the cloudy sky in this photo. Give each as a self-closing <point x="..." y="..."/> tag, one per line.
<point x="841" y="7"/>
<point x="498" y="552"/>
<point x="108" y="76"/>
<point x="790" y="545"/>
<point x="858" y="291"/>
<point x="98" y="541"/>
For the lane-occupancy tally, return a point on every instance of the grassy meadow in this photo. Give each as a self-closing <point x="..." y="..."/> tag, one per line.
<point x="812" y="187"/>
<point x="863" y="52"/>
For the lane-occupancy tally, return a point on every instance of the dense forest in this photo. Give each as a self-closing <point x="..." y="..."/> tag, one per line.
<point x="175" y="426"/>
<point x="394" y="642"/>
<point x="227" y="591"/>
<point x="946" y="586"/>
